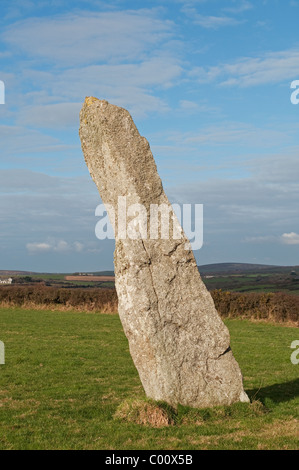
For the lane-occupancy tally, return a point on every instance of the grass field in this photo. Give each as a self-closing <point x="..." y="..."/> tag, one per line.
<point x="66" y="374"/>
<point x="266" y="282"/>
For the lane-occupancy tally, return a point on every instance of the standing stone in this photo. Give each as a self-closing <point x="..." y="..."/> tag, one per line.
<point x="178" y="342"/>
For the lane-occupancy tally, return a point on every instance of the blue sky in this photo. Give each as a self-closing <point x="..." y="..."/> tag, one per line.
<point x="207" y="83"/>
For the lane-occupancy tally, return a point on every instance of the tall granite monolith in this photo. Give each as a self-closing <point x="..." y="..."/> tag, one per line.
<point x="178" y="342"/>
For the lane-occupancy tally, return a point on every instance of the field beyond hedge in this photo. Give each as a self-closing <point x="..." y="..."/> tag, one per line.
<point x="68" y="373"/>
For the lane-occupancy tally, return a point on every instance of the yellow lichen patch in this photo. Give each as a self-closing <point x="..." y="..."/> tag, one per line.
<point x="90" y="99"/>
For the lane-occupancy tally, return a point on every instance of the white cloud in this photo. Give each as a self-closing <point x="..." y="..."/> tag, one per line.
<point x="127" y="64"/>
<point x="188" y="105"/>
<point x="19" y="140"/>
<point x="50" y="115"/>
<point x="261" y="239"/>
<point x="61" y="246"/>
<point x="214" y="22"/>
<point x="232" y="133"/>
<point x="209" y="21"/>
<point x="73" y="82"/>
<point x="271" y="67"/>
<point x="78" y="247"/>
<point x="58" y="246"/>
<point x="36" y="247"/>
<point x="250" y="206"/>
<point x="47" y="213"/>
<point x="129" y="85"/>
<point x="25" y="181"/>
<point x="122" y="56"/>
<point x="220" y="19"/>
<point x="89" y="37"/>
<point x="291" y="238"/>
<point x="237" y="132"/>
<point x="239" y="6"/>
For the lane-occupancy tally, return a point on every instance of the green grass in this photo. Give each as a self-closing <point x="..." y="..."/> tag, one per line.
<point x="265" y="282"/>
<point x="66" y="374"/>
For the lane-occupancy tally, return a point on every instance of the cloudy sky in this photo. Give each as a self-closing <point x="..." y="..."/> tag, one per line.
<point x="208" y="83"/>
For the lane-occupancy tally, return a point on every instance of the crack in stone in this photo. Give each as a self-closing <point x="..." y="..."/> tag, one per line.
<point x="225" y="352"/>
<point x="149" y="264"/>
<point x="174" y="249"/>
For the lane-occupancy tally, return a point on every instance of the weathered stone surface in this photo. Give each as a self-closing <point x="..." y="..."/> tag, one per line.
<point x="179" y="344"/>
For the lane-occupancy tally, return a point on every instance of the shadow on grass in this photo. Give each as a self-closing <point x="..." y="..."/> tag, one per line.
<point x="277" y="393"/>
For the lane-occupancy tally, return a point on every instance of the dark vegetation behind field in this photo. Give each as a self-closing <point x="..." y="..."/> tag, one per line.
<point x="278" y="307"/>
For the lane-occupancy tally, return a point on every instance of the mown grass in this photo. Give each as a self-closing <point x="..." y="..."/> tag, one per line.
<point x="67" y="374"/>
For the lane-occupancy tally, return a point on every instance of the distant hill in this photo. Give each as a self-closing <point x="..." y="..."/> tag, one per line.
<point x="15" y="273"/>
<point x="102" y="273"/>
<point x="212" y="269"/>
<point x="233" y="277"/>
<point x="32" y="273"/>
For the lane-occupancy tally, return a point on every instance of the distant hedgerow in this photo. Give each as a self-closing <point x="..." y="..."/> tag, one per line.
<point x="276" y="306"/>
<point x="279" y="307"/>
<point x="93" y="299"/>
